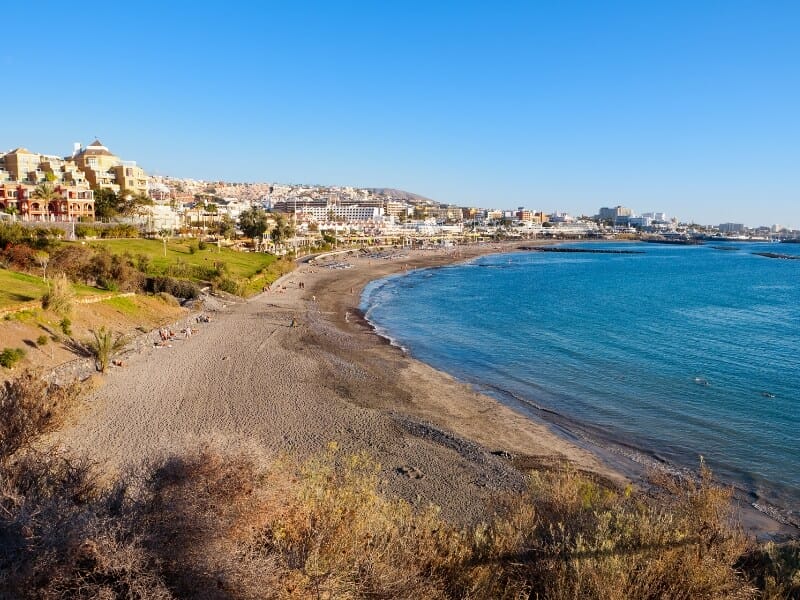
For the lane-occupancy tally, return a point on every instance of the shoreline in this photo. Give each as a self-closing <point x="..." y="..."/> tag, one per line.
<point x="619" y="462"/>
<point x="295" y="368"/>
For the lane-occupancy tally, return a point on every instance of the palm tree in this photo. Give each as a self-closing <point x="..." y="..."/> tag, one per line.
<point x="46" y="193"/>
<point x="104" y="346"/>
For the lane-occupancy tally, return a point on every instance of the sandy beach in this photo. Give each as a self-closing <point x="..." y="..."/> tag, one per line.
<point x="249" y="376"/>
<point x="297" y="367"/>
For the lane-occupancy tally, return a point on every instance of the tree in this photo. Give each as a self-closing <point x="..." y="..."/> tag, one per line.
<point x="253" y="222"/>
<point x="131" y="204"/>
<point x="282" y="230"/>
<point x="226" y="227"/>
<point x="106" y="203"/>
<point x="45" y="192"/>
<point x="104" y="345"/>
<point x="42" y="259"/>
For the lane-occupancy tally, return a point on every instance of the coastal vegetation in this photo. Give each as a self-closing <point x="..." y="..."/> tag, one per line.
<point x="127" y="263"/>
<point x="11" y="356"/>
<point x="44" y="280"/>
<point x="60" y="297"/>
<point x="185" y="259"/>
<point x="103" y="345"/>
<point x="216" y="523"/>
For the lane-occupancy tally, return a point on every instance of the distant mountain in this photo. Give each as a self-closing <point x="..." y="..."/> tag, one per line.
<point x="400" y="195"/>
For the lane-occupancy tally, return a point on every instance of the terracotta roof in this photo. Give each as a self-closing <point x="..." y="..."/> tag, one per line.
<point x="95" y="152"/>
<point x="20" y="151"/>
<point x="96" y="148"/>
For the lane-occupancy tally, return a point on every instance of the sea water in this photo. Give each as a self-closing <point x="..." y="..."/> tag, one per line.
<point x="674" y="353"/>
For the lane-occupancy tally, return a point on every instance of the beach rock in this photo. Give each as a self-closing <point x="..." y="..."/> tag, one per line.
<point x="504" y="454"/>
<point x="411" y="472"/>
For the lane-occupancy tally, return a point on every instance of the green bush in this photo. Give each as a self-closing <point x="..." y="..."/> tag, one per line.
<point x="115" y="272"/>
<point x="42" y="340"/>
<point x="120" y="231"/>
<point x="180" y="288"/>
<point x="107" y="284"/>
<point x="86" y="231"/>
<point x="229" y="285"/>
<point x="66" y="326"/>
<point x="11" y="356"/>
<point x="143" y="262"/>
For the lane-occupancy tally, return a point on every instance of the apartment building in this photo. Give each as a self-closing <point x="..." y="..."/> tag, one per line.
<point x="43" y="187"/>
<point x="47" y="201"/>
<point x="106" y="170"/>
<point x="39" y="187"/>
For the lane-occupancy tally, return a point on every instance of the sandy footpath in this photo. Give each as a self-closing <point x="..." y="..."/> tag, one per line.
<point x="250" y="376"/>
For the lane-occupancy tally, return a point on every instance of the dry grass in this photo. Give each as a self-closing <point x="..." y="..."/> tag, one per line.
<point x="222" y="524"/>
<point x="30" y="407"/>
<point x="775" y="568"/>
<point x="60" y="297"/>
<point x="591" y="542"/>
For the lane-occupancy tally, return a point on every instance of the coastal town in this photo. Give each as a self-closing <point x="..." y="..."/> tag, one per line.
<point x="92" y="185"/>
<point x="415" y="301"/>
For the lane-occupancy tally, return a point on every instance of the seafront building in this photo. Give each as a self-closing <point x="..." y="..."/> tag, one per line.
<point x="43" y="187"/>
<point x="107" y="171"/>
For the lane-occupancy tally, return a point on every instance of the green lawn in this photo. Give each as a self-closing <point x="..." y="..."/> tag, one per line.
<point x="16" y="288"/>
<point x="124" y="305"/>
<point x="250" y="270"/>
<point x="241" y="265"/>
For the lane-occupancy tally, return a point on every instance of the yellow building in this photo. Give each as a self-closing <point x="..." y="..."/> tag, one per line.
<point x="69" y="182"/>
<point x="23" y="165"/>
<point x="106" y="170"/>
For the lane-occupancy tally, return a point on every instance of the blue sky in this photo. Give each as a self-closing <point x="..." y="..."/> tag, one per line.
<point x="692" y="108"/>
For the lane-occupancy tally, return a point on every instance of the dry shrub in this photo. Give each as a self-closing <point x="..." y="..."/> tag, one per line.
<point x="195" y="511"/>
<point x="219" y="524"/>
<point x="60" y="297"/>
<point x="168" y="299"/>
<point x="775" y="568"/>
<point x="238" y="526"/>
<point x="30" y="407"/>
<point x="594" y="543"/>
<point x="338" y="537"/>
<point x="61" y="535"/>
